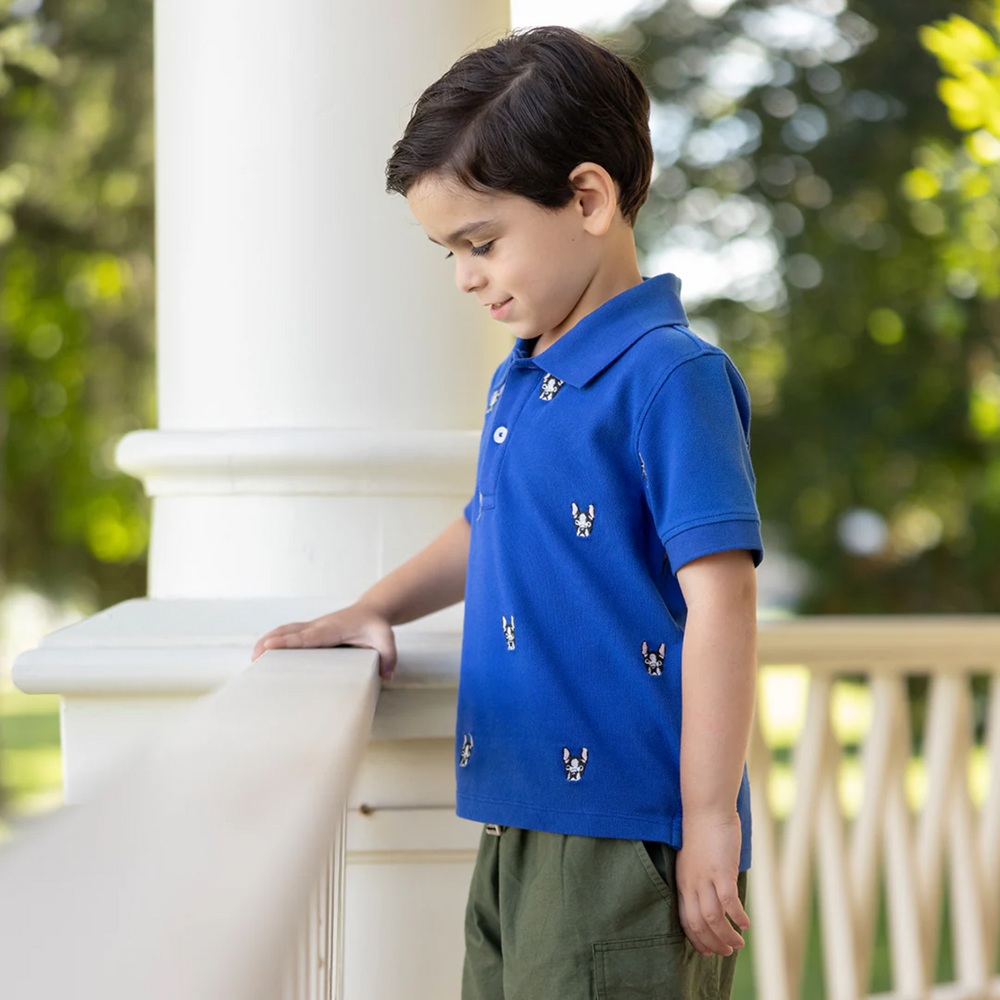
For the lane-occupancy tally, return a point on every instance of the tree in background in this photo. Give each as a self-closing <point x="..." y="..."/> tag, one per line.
<point x="76" y="291"/>
<point x="954" y="189"/>
<point x="782" y="133"/>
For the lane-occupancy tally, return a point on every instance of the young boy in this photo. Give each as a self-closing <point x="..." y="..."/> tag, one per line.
<point x="607" y="557"/>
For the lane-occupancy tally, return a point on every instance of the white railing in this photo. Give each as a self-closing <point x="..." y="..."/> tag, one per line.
<point x="203" y="868"/>
<point x="909" y="840"/>
<point x="212" y="866"/>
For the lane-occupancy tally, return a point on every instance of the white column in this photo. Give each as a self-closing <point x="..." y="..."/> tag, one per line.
<point x="320" y="378"/>
<point x="321" y="389"/>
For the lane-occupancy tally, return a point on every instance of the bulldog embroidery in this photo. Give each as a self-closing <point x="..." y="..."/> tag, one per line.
<point x="508" y="630"/>
<point x="466" y="749"/>
<point x="550" y="386"/>
<point x="495" y="396"/>
<point x="653" y="658"/>
<point x="574" y="766"/>
<point x="584" y="520"/>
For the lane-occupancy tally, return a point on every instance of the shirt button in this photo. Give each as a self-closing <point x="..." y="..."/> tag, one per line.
<point x="499" y="434"/>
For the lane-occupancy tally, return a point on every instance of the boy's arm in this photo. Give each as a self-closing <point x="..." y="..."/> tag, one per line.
<point x="431" y="580"/>
<point x="719" y="683"/>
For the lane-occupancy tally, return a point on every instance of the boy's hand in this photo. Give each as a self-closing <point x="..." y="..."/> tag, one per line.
<point x="354" y="625"/>
<point x="706" y="870"/>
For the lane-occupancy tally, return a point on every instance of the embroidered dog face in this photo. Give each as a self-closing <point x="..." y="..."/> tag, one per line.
<point x="584" y="520"/>
<point x="508" y="631"/>
<point x="574" y="765"/>
<point x="550" y="386"/>
<point x="466" y="749"/>
<point x="495" y="396"/>
<point x="653" y="658"/>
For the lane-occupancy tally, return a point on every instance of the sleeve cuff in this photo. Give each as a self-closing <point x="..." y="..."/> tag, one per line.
<point x="719" y="536"/>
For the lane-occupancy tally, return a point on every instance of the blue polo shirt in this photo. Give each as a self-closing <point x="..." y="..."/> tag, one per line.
<point x="606" y="462"/>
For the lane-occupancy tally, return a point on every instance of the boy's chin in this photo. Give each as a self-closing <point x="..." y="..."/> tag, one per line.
<point x="522" y="330"/>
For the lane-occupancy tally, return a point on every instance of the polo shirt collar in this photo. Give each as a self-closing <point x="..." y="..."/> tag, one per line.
<point x="589" y="346"/>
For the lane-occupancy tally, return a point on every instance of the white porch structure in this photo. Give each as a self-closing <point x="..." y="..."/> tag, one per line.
<point x="290" y="833"/>
<point x="287" y="828"/>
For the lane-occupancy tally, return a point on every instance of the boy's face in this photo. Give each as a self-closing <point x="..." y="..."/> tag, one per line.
<point x="529" y="265"/>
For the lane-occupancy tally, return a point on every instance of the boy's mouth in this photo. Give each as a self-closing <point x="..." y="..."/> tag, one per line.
<point x="499" y="309"/>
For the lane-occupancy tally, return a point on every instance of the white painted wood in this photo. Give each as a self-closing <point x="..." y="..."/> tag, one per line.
<point x="910" y="964"/>
<point x="963" y="863"/>
<point x="840" y="961"/>
<point x="405" y="843"/>
<point x="764" y="901"/>
<point x="910" y="844"/>
<point x="939" y="741"/>
<point x="908" y="643"/>
<point x="989" y="832"/>
<point x="865" y="848"/>
<point x="187" y="875"/>
<point x="800" y="829"/>
<point x="130" y="671"/>
<point x="348" y="461"/>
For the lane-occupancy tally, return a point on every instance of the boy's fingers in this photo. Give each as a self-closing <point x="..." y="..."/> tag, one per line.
<point x="274" y="638"/>
<point x="695" y="927"/>
<point x="718" y="934"/>
<point x="283" y="630"/>
<point x="708" y="928"/>
<point x="733" y="907"/>
<point x="307" y="635"/>
<point x="729" y="906"/>
<point x="740" y="916"/>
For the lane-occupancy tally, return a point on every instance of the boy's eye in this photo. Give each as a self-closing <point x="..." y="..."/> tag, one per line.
<point x="476" y="251"/>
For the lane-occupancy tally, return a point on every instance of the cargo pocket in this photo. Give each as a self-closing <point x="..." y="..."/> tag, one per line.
<point x="646" y="968"/>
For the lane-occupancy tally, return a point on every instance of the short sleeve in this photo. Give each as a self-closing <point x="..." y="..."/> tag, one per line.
<point x="694" y="456"/>
<point x="469" y="507"/>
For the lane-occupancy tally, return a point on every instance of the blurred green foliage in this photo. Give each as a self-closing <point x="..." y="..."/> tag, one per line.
<point x="789" y="129"/>
<point x="954" y="187"/>
<point x="76" y="291"/>
<point x="820" y="132"/>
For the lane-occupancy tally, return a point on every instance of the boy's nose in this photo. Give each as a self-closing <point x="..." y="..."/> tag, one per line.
<point x="467" y="276"/>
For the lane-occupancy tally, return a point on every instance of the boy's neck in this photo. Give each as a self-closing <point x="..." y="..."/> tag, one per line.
<point x="621" y="275"/>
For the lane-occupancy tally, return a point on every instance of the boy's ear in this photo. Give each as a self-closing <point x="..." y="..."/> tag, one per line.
<point x="596" y="194"/>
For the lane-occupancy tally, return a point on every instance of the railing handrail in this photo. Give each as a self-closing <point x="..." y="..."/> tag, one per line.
<point x="892" y="643"/>
<point x="154" y="888"/>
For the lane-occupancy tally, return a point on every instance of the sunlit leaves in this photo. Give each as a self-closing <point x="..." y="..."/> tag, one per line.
<point x="22" y="47"/>
<point x="969" y="55"/>
<point x="955" y="188"/>
<point x="76" y="296"/>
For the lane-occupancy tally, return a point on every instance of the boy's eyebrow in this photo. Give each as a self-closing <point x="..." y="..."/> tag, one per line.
<point x="469" y="229"/>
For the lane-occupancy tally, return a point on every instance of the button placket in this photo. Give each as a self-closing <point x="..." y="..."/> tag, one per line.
<point x="518" y="386"/>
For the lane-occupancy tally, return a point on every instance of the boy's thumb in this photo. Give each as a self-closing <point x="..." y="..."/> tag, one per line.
<point x="387" y="656"/>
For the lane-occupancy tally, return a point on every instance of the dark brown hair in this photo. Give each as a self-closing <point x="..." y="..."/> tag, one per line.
<point x="520" y="114"/>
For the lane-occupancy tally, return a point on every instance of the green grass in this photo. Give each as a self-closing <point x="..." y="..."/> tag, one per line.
<point x="30" y="755"/>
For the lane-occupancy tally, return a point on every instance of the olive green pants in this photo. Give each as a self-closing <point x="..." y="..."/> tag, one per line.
<point x="557" y="917"/>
